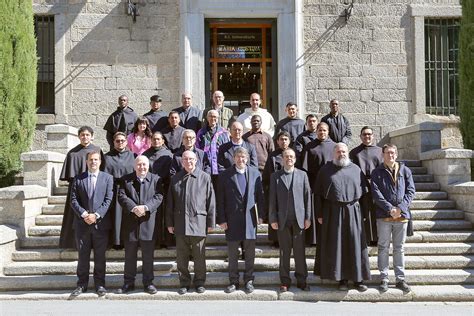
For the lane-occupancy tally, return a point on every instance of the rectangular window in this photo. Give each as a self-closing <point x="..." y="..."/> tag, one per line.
<point x="44" y="31"/>
<point x="441" y="66"/>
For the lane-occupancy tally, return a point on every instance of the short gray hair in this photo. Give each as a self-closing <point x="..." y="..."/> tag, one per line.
<point x="241" y="151"/>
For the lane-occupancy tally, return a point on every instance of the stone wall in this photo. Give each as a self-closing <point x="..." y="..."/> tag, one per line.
<point x="366" y="62"/>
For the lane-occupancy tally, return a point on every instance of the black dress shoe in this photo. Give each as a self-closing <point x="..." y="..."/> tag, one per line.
<point x="78" y="291"/>
<point x="361" y="287"/>
<point x="101" y="291"/>
<point x="183" y="290"/>
<point x="249" y="288"/>
<point x="304" y="287"/>
<point x="343" y="285"/>
<point x="200" y="289"/>
<point x="231" y="288"/>
<point x="126" y="288"/>
<point x="151" y="289"/>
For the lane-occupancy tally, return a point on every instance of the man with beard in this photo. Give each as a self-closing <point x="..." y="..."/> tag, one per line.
<point x="189" y="141"/>
<point x="160" y="163"/>
<point x="262" y="141"/>
<point x="315" y="155"/>
<point x="225" y="157"/>
<point x="273" y="164"/>
<point x="306" y="137"/>
<point x="190" y="215"/>
<point x="74" y="165"/>
<point x="140" y="194"/>
<point x="367" y="156"/>
<point x="290" y="211"/>
<point x="393" y="191"/>
<point x="157" y="118"/>
<point x="121" y="120"/>
<point x="339" y="186"/>
<point x="190" y="116"/>
<point x="339" y="128"/>
<point x="292" y="123"/>
<point x="173" y="133"/>
<point x="118" y="162"/>
<point x="240" y="208"/>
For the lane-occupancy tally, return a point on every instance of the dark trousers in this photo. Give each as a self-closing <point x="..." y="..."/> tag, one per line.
<point x="195" y="246"/>
<point x="233" y="252"/>
<point x="87" y="240"/>
<point x="131" y="248"/>
<point x="292" y="237"/>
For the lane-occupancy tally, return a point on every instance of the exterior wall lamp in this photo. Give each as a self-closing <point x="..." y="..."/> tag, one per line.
<point x="348" y="9"/>
<point x="132" y="9"/>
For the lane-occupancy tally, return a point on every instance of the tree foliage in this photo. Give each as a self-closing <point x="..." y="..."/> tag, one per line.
<point x="17" y="84"/>
<point x="466" y="73"/>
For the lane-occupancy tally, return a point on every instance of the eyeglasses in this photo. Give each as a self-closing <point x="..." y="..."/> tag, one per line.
<point x="367" y="134"/>
<point x="189" y="137"/>
<point x="120" y="140"/>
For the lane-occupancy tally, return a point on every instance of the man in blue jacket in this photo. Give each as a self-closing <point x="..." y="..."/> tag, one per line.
<point x="393" y="190"/>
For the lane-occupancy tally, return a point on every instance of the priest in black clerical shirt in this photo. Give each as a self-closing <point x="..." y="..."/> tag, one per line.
<point x="157" y="118"/>
<point x="121" y="120"/>
<point x="292" y="123"/>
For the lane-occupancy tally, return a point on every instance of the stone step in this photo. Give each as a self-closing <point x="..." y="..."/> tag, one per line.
<point x="432" y="195"/>
<point x="53" y="209"/>
<point x="57" y="199"/>
<point x="432" y="204"/>
<point x="220" y="280"/>
<point x="262" y="251"/>
<point x="437" y="214"/>
<point x="220" y="265"/>
<point x="440" y="224"/>
<point x="419" y="170"/>
<point x="423" y="178"/>
<point x="56" y="220"/>
<point x="427" y="186"/>
<point x="60" y="190"/>
<point x="318" y="293"/>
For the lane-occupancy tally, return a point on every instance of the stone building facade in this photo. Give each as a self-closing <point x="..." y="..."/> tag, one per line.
<point x="372" y="59"/>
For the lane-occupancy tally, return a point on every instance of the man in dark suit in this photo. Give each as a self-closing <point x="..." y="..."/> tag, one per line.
<point x="225" y="157"/>
<point x="240" y="208"/>
<point x="290" y="210"/>
<point x="140" y="195"/>
<point x="91" y="196"/>
<point x="190" y="210"/>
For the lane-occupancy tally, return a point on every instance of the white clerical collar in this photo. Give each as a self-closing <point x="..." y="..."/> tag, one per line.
<point x="241" y="171"/>
<point x="239" y="143"/>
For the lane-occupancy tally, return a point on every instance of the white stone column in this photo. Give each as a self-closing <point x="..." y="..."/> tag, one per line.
<point x="61" y="138"/>
<point x="42" y="168"/>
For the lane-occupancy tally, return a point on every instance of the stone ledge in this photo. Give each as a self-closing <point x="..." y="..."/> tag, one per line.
<point x="60" y="129"/>
<point x="461" y="188"/>
<point x="450" y="153"/>
<point x="7" y="234"/>
<point x="424" y="126"/>
<point x="436" y="11"/>
<point x="23" y="192"/>
<point x="43" y="155"/>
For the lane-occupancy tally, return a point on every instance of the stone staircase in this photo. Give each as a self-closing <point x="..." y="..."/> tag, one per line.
<point x="439" y="259"/>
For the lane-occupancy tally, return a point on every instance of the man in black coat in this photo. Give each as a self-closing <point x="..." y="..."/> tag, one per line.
<point x="306" y="137"/>
<point x="225" y="157"/>
<point x="90" y="200"/>
<point x="118" y="162"/>
<point x="173" y="133"/>
<point x="291" y="123"/>
<point x="121" y="120"/>
<point x="190" y="115"/>
<point x="140" y="195"/>
<point x="157" y="118"/>
<point x="190" y="214"/>
<point x="339" y="127"/>
<point x="240" y="208"/>
<point x="290" y="210"/>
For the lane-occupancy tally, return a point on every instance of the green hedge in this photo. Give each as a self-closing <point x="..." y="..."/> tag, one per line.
<point x="466" y="73"/>
<point x="17" y="85"/>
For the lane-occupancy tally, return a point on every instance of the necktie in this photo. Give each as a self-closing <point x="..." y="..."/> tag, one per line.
<point x="93" y="180"/>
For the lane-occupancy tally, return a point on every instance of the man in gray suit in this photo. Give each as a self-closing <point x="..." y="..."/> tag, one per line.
<point x="91" y="196"/>
<point x="140" y="195"/>
<point x="290" y="210"/>
<point x="190" y="214"/>
<point x="240" y="208"/>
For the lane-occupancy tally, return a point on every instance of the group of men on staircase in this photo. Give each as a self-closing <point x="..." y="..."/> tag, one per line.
<point x="168" y="178"/>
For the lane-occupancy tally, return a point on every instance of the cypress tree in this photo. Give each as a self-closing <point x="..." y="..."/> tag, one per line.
<point x="466" y="73"/>
<point x="17" y="85"/>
